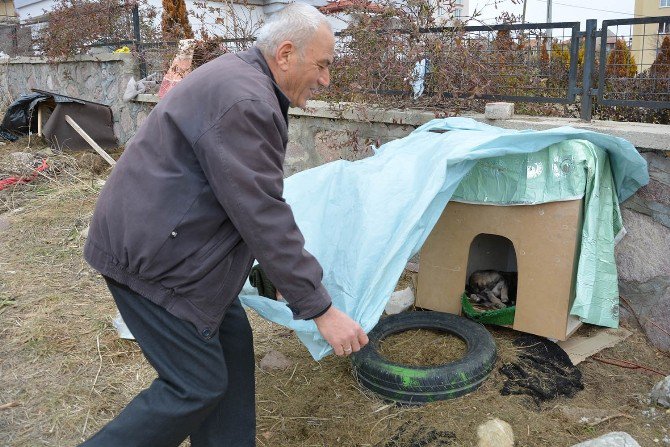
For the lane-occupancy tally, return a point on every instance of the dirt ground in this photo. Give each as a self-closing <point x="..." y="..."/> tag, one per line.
<point x="64" y="372"/>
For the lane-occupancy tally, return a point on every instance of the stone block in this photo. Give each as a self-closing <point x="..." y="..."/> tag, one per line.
<point x="654" y="198"/>
<point x="650" y="301"/>
<point x="660" y="394"/>
<point x="275" y="360"/>
<point x="656" y="191"/>
<point x="614" y="439"/>
<point x="328" y="145"/>
<point x="400" y="301"/>
<point x="495" y="433"/>
<point x="297" y="158"/>
<point x="643" y="253"/>
<point x="499" y="110"/>
<point x="657" y="324"/>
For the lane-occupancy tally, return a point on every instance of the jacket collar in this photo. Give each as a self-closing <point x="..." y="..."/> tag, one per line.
<point x="255" y="58"/>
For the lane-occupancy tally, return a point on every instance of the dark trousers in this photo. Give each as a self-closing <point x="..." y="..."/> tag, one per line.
<point x="204" y="389"/>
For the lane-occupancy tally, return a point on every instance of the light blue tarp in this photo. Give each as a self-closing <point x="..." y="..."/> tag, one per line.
<point x="363" y="220"/>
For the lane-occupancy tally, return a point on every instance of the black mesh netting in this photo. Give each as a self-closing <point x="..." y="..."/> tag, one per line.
<point x="543" y="371"/>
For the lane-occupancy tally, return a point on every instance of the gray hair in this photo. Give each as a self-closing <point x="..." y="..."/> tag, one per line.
<point x="297" y="22"/>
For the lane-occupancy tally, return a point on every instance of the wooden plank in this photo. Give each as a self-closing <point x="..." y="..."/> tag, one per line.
<point x="90" y="140"/>
<point x="40" y="111"/>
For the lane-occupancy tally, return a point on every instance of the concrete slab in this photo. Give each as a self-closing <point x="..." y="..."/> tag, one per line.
<point x="641" y="135"/>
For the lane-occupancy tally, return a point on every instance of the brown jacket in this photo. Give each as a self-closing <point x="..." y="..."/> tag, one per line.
<point x="197" y="195"/>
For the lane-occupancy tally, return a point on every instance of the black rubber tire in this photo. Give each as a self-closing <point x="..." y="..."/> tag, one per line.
<point x="419" y="384"/>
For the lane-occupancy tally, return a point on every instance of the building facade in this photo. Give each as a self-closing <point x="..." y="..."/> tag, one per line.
<point x="647" y="38"/>
<point x="446" y="13"/>
<point x="7" y="10"/>
<point x="8" y="19"/>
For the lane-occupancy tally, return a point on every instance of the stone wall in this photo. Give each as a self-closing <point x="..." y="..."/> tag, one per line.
<point x="314" y="141"/>
<point x="101" y="78"/>
<point x="643" y="256"/>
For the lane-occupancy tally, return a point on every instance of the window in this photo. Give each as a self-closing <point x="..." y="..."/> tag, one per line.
<point x="665" y="3"/>
<point x="664" y="28"/>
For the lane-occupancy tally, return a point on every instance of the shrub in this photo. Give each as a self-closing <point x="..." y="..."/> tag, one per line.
<point x="660" y="68"/>
<point x="382" y="51"/>
<point x="174" y="23"/>
<point x="651" y="85"/>
<point x="621" y="62"/>
<point x="75" y="25"/>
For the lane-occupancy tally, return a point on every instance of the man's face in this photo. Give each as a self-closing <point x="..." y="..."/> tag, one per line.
<point x="310" y="70"/>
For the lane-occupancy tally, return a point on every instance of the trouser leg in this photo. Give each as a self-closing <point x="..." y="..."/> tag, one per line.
<point x="233" y="421"/>
<point x="192" y="378"/>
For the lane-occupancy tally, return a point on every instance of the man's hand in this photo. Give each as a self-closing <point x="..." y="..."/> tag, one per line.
<point x="341" y="332"/>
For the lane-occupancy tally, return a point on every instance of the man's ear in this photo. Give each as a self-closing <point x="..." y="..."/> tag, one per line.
<point x="286" y="51"/>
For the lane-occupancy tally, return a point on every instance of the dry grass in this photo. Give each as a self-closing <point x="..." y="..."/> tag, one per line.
<point x="62" y="363"/>
<point x="421" y="347"/>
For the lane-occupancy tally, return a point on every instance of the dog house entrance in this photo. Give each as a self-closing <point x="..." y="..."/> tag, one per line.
<point x="491" y="252"/>
<point x="491" y="274"/>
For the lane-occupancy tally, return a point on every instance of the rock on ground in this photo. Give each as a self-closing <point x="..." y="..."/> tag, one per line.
<point x="18" y="163"/>
<point x="275" y="360"/>
<point x="495" y="433"/>
<point x="400" y="301"/>
<point x="499" y="110"/>
<point x="660" y="394"/>
<point x="614" y="439"/>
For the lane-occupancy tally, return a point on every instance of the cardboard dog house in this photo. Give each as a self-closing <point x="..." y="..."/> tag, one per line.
<point x="541" y="242"/>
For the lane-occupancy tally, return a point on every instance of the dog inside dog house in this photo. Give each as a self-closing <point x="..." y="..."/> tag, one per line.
<point x="492" y="274"/>
<point x="540" y="242"/>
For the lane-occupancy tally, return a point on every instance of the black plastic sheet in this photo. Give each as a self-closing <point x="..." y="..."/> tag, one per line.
<point x="21" y="116"/>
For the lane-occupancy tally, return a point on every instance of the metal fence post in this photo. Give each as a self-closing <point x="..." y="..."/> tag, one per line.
<point x="15" y="40"/>
<point x="589" y="66"/>
<point x="138" y="41"/>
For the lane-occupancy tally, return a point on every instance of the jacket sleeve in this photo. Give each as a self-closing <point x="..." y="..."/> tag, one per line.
<point x="242" y="158"/>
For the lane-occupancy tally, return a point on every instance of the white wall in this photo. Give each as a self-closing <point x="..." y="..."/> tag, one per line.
<point x="460" y="11"/>
<point x="27" y="9"/>
<point x="248" y="18"/>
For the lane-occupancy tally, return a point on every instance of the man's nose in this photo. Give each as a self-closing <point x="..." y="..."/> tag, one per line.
<point x="324" y="79"/>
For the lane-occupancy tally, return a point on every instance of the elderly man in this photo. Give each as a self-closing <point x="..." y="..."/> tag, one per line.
<point x="196" y="196"/>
